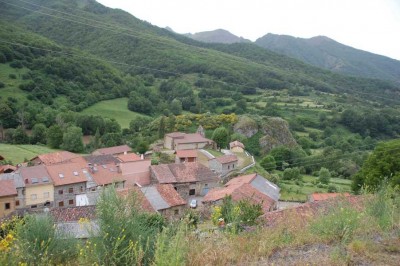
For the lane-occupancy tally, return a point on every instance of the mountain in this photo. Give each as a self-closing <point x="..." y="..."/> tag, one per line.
<point x="217" y="36"/>
<point x="324" y="52"/>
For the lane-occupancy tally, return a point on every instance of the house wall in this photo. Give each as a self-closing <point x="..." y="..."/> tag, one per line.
<point x="20" y="198"/>
<point x="3" y="202"/>
<point x="237" y="149"/>
<point x="173" y="213"/>
<point x="185" y="160"/>
<point x="190" y="146"/>
<point x="228" y="167"/>
<point x="215" y="166"/>
<point x="168" y="143"/>
<point x="65" y="197"/>
<point x="39" y="191"/>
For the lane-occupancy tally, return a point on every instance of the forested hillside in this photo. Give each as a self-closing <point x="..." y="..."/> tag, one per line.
<point x="326" y="53"/>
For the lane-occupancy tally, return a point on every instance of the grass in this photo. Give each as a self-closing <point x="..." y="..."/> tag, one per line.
<point x="18" y="153"/>
<point x="11" y="85"/>
<point x="116" y="108"/>
<point x="215" y="153"/>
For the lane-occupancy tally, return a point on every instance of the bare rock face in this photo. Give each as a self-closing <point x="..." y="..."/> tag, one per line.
<point x="275" y="133"/>
<point x="246" y="126"/>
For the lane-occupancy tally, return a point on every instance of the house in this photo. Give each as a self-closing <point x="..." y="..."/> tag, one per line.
<point x="236" y="146"/>
<point x="136" y="172"/>
<point x="116" y="150"/>
<point x="165" y="200"/>
<point x="224" y="164"/>
<point x="182" y="141"/>
<point x="20" y="187"/>
<point x="39" y="190"/>
<point x="316" y="197"/>
<point x="188" y="179"/>
<point x="8" y="192"/>
<point x="253" y="187"/>
<point x="54" y="158"/>
<point x="186" y="156"/>
<point x="7" y="168"/>
<point x="141" y="201"/>
<point x="69" y="180"/>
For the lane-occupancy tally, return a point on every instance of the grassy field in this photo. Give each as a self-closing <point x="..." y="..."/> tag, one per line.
<point x="18" y="153"/>
<point x="116" y="108"/>
<point x="300" y="191"/>
<point x="11" y="85"/>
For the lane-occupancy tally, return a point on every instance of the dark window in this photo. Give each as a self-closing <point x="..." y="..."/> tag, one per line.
<point x="176" y="212"/>
<point x="7" y="206"/>
<point x="33" y="206"/>
<point x="81" y="188"/>
<point x="71" y="202"/>
<point x="175" y="188"/>
<point x="47" y="204"/>
<point x="60" y="192"/>
<point x="229" y="167"/>
<point x="70" y="190"/>
<point x="61" y="204"/>
<point x="17" y="203"/>
<point x="192" y="192"/>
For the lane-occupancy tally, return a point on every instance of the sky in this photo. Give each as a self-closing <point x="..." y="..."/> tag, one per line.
<point x="370" y="25"/>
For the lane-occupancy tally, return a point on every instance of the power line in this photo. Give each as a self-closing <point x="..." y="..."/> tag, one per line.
<point x="164" y="38"/>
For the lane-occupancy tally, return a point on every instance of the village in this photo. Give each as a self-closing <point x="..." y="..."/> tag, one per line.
<point x="68" y="185"/>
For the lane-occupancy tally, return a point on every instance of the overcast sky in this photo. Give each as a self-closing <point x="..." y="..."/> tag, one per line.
<point x="371" y="25"/>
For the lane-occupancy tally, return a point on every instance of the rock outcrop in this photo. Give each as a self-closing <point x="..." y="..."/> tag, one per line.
<point x="246" y="126"/>
<point x="275" y="133"/>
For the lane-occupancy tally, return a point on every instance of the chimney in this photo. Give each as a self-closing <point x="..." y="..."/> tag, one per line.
<point x="26" y="181"/>
<point x="118" y="168"/>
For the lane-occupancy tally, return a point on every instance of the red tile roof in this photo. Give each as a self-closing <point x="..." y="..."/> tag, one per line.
<point x="7" y="168"/>
<point x="170" y="195"/>
<point x="7" y="188"/>
<point x="182" y="173"/>
<point x="227" y="159"/>
<point x="106" y="174"/>
<point x="35" y="175"/>
<point x="136" y="172"/>
<point x="112" y="150"/>
<point x="191" y="138"/>
<point x="142" y="201"/>
<point x="56" y="157"/>
<point x="130" y="157"/>
<point x="186" y="154"/>
<point x="175" y="134"/>
<point x="325" y="196"/>
<point x="67" y="173"/>
<point x="236" y="144"/>
<point x="244" y="179"/>
<point x="239" y="192"/>
<point x="73" y="214"/>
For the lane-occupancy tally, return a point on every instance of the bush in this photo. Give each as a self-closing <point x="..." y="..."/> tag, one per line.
<point x="291" y="174"/>
<point x="332" y="189"/>
<point x="12" y="76"/>
<point x="268" y="163"/>
<point x="2" y="85"/>
<point x="324" y="176"/>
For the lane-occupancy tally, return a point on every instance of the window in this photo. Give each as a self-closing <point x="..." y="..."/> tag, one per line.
<point x="61" y="204"/>
<point x="33" y="206"/>
<point x="46" y="195"/>
<point x="33" y="196"/>
<point x="17" y="203"/>
<point x="176" y="212"/>
<point x="70" y="190"/>
<point x="233" y="166"/>
<point x="71" y="202"/>
<point x="175" y="188"/>
<point x="47" y="204"/>
<point x="229" y="167"/>
<point x="81" y="188"/>
<point x="192" y="192"/>
<point x="7" y="206"/>
<point x="60" y="192"/>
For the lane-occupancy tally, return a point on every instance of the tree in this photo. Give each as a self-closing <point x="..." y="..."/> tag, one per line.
<point x="20" y="136"/>
<point x="383" y="164"/>
<point x="291" y="174"/>
<point x="268" y="163"/>
<point x="72" y="139"/>
<point x="39" y="132"/>
<point x="54" y="136"/>
<point x="176" y="107"/>
<point x="221" y="137"/>
<point x="142" y="147"/>
<point x="138" y="123"/>
<point x="161" y="128"/>
<point x="324" y="176"/>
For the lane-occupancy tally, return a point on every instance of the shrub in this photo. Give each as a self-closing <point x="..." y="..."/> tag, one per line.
<point x="2" y="85"/>
<point x="12" y="76"/>
<point x="324" y="176"/>
<point x="268" y="163"/>
<point x="291" y="174"/>
<point x="332" y="188"/>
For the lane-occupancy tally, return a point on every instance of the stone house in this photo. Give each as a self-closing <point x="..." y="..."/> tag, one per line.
<point x="39" y="189"/>
<point x="186" y="156"/>
<point x="253" y="187"/>
<point x="165" y="200"/>
<point x="224" y="164"/>
<point x="69" y="179"/>
<point x="236" y="146"/>
<point x="8" y="192"/>
<point x="136" y="172"/>
<point x="188" y="179"/>
<point x="182" y="141"/>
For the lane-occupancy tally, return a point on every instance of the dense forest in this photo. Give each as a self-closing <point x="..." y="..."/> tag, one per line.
<point x="59" y="58"/>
